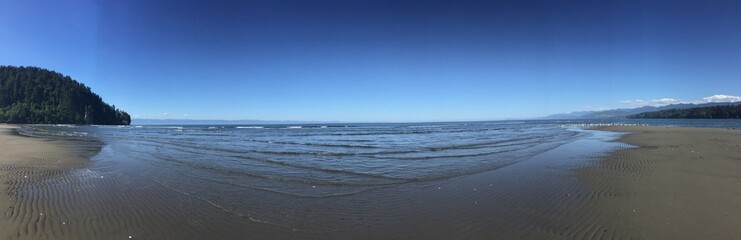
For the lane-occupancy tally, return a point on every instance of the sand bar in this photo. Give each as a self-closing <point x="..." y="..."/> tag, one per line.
<point x="18" y="157"/>
<point x="29" y="167"/>
<point x="680" y="183"/>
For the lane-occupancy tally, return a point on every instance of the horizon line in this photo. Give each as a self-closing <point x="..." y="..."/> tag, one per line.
<point x="247" y="121"/>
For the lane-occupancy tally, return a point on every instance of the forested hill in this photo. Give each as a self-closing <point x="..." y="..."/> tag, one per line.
<point x="36" y="95"/>
<point x="731" y="111"/>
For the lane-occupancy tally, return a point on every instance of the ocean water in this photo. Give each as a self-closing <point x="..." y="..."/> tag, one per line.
<point x="317" y="160"/>
<point x="332" y="159"/>
<point x="333" y="181"/>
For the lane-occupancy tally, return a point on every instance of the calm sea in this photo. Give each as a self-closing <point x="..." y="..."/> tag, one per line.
<point x="328" y="160"/>
<point x="333" y="181"/>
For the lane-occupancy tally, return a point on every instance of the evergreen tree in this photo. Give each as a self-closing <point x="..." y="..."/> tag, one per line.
<point x="36" y="95"/>
<point x="715" y="112"/>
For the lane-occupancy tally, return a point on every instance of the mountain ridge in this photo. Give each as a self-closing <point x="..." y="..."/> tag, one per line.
<point x="710" y="112"/>
<point x="625" y="112"/>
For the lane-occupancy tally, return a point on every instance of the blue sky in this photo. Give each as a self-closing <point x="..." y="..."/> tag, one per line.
<point x="379" y="60"/>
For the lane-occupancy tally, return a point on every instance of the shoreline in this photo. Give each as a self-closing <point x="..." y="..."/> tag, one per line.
<point x="677" y="183"/>
<point x="616" y="182"/>
<point x="522" y="200"/>
<point x="26" y="161"/>
<point x="54" y="188"/>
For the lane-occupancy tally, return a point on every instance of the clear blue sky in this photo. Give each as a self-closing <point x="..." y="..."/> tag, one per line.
<point x="378" y="60"/>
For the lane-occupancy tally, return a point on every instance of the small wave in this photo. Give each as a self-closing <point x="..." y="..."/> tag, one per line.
<point x="425" y="126"/>
<point x="249" y="127"/>
<point x="453" y="156"/>
<point x="164" y="127"/>
<point x="294" y="127"/>
<point x="363" y="179"/>
<point x="505" y="123"/>
<point x="592" y="125"/>
<point x="318" y="144"/>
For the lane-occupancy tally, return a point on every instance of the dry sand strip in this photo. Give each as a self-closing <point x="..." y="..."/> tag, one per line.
<point x="680" y="183"/>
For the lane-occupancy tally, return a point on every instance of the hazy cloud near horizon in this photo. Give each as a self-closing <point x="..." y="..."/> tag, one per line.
<point x="667" y="101"/>
<point x="721" y="98"/>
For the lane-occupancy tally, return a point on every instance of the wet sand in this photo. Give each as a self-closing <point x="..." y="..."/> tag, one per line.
<point x="680" y="183"/>
<point x="49" y="191"/>
<point x="25" y="160"/>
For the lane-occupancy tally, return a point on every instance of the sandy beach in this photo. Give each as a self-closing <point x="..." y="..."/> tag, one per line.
<point x="50" y="192"/>
<point x="680" y="183"/>
<point x="26" y="160"/>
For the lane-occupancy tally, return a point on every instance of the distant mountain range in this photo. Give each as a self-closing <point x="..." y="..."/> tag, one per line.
<point x="625" y="112"/>
<point x="613" y="113"/>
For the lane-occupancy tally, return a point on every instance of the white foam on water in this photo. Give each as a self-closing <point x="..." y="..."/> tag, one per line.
<point x="591" y="125"/>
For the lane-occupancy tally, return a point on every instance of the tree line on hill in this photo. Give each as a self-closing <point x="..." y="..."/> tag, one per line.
<point x="715" y="112"/>
<point x="34" y="95"/>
